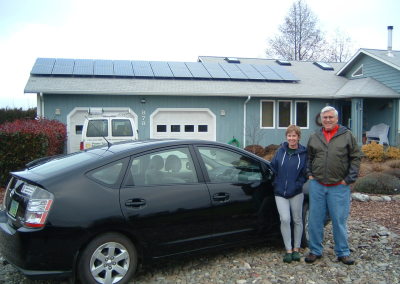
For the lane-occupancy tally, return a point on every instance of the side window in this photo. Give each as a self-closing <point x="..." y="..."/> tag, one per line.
<point x="97" y="128"/>
<point x="173" y="166"/>
<point x="108" y="174"/>
<point x="227" y="166"/>
<point x="121" y="127"/>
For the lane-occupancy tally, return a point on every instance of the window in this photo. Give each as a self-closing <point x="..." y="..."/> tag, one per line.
<point x="121" y="127"/>
<point x="78" y="129"/>
<point x="173" y="166"/>
<point x="175" y="128"/>
<point x="97" y="128"/>
<point x="284" y="113"/>
<point x="203" y="128"/>
<point x="189" y="128"/>
<point x="301" y="114"/>
<point x="161" y="128"/>
<point x="227" y="166"/>
<point x="108" y="174"/>
<point x="267" y="114"/>
<point x="358" y="72"/>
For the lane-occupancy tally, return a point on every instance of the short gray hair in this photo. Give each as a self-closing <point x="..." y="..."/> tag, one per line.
<point x="329" y="108"/>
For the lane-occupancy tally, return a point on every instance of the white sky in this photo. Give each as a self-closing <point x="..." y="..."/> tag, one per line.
<point x="165" y="30"/>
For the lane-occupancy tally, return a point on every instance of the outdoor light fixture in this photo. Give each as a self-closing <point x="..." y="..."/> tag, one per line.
<point x="143" y="101"/>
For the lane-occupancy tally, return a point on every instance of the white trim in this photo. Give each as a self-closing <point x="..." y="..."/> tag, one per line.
<point x="273" y="114"/>
<point x="277" y="114"/>
<point x="308" y="113"/>
<point x="156" y="111"/>
<point x="245" y="120"/>
<point x="357" y="70"/>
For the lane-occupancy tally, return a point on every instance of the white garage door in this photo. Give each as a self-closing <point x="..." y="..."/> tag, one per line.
<point x="193" y="123"/>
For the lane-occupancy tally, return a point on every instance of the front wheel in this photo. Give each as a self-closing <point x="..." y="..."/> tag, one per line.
<point x="109" y="258"/>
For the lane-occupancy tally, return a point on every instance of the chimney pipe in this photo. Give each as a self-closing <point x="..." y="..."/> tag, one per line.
<point x="390" y="29"/>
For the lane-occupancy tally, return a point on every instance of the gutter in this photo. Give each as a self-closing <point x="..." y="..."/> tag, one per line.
<point x="244" y="120"/>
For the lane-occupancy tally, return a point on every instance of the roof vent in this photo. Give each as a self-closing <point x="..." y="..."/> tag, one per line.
<point x="283" y="62"/>
<point x="323" y="65"/>
<point x="389" y="53"/>
<point x="232" y="60"/>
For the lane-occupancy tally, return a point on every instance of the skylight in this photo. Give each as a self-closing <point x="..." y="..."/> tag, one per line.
<point x="283" y="62"/>
<point x="232" y="60"/>
<point x="323" y="65"/>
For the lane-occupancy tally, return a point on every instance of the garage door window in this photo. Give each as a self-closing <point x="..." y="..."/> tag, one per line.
<point x="175" y="128"/>
<point x="203" y="128"/>
<point x="161" y="128"/>
<point x="189" y="128"/>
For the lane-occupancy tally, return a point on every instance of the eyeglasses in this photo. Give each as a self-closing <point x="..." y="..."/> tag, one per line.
<point x="328" y="117"/>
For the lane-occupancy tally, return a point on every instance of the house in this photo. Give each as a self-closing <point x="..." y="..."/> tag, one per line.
<point x="250" y="100"/>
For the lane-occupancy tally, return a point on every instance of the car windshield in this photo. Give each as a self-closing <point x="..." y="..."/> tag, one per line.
<point x="64" y="163"/>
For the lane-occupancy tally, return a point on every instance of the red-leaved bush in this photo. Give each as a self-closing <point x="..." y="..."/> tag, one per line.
<point x="22" y="141"/>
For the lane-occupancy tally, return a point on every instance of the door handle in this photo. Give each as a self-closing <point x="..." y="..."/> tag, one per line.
<point x="221" y="196"/>
<point x="136" y="203"/>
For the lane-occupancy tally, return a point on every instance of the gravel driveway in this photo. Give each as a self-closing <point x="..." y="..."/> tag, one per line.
<point x="375" y="249"/>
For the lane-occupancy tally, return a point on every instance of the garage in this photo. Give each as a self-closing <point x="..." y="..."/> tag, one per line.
<point x="191" y="123"/>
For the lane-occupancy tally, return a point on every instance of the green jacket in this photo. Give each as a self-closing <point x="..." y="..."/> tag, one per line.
<point x="329" y="163"/>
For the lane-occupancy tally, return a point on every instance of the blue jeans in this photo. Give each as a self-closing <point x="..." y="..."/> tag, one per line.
<point x="334" y="200"/>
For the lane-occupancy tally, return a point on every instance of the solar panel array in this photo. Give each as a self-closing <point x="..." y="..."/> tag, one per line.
<point x="160" y="69"/>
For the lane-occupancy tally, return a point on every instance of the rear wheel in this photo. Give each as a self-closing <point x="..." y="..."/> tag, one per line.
<point x="304" y="237"/>
<point x="109" y="258"/>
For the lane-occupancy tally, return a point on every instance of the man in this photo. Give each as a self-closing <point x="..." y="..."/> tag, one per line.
<point x="333" y="163"/>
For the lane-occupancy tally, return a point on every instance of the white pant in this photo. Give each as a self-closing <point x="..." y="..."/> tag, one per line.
<point x="285" y="206"/>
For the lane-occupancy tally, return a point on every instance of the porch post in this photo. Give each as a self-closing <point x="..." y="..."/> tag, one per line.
<point x="357" y="105"/>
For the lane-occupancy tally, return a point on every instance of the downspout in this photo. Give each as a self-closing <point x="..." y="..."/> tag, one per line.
<point x="40" y="105"/>
<point x="244" y="120"/>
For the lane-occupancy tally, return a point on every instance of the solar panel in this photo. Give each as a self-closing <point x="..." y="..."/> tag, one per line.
<point x="63" y="67"/>
<point x="215" y="70"/>
<point x="198" y="70"/>
<point x="282" y="72"/>
<point x="43" y="66"/>
<point x="123" y="68"/>
<point x="142" y="69"/>
<point x="323" y="65"/>
<point x="103" y="68"/>
<point x="233" y="71"/>
<point x="161" y="69"/>
<point x="250" y="72"/>
<point x="266" y="72"/>
<point x="83" y="67"/>
<point x="180" y="70"/>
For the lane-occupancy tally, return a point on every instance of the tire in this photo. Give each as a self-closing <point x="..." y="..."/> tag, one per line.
<point x="304" y="237"/>
<point x="108" y="258"/>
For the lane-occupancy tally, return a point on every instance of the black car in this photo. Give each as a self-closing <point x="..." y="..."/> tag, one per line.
<point x="96" y="214"/>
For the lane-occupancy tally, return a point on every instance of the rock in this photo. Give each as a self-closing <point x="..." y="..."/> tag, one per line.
<point x="360" y="197"/>
<point x="386" y="198"/>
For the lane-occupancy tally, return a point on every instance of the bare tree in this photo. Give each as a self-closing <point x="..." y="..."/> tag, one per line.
<point x="339" y="48"/>
<point x="299" y="38"/>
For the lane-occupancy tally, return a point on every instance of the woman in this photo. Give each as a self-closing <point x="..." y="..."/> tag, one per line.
<point x="289" y="166"/>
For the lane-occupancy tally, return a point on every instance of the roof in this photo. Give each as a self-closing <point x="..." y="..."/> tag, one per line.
<point x="389" y="58"/>
<point x="309" y="85"/>
<point x="366" y="88"/>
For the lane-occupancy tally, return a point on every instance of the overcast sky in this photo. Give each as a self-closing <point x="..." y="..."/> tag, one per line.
<point x="166" y="30"/>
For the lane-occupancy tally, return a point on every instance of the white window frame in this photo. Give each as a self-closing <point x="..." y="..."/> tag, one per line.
<point x="308" y="114"/>
<point x="277" y="114"/>
<point x="273" y="114"/>
<point x="357" y="70"/>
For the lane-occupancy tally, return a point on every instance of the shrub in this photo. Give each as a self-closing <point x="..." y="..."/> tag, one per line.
<point x="22" y="141"/>
<point x="256" y="149"/>
<point x="270" y="151"/>
<point x="11" y="114"/>
<point x="373" y="151"/>
<point x="392" y="153"/>
<point x="393" y="163"/>
<point x="378" y="183"/>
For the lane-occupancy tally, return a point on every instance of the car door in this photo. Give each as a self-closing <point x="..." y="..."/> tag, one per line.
<point x="241" y="193"/>
<point x="166" y="203"/>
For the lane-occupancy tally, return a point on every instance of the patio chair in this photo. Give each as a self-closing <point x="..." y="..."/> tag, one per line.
<point x="378" y="133"/>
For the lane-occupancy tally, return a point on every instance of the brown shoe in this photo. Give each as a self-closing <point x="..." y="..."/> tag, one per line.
<point x="346" y="260"/>
<point x="310" y="258"/>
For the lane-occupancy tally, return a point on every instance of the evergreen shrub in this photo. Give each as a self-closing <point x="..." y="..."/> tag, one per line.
<point x="378" y="183"/>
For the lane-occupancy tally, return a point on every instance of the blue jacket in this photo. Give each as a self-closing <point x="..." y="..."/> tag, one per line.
<point x="290" y="171"/>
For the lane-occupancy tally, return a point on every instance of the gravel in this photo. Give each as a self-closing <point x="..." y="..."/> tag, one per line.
<point x="375" y="248"/>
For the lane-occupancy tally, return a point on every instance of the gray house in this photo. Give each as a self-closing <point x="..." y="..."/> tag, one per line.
<point x="221" y="98"/>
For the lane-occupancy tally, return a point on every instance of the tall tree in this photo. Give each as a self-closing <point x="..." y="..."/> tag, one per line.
<point x="339" y="48"/>
<point x="299" y="38"/>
